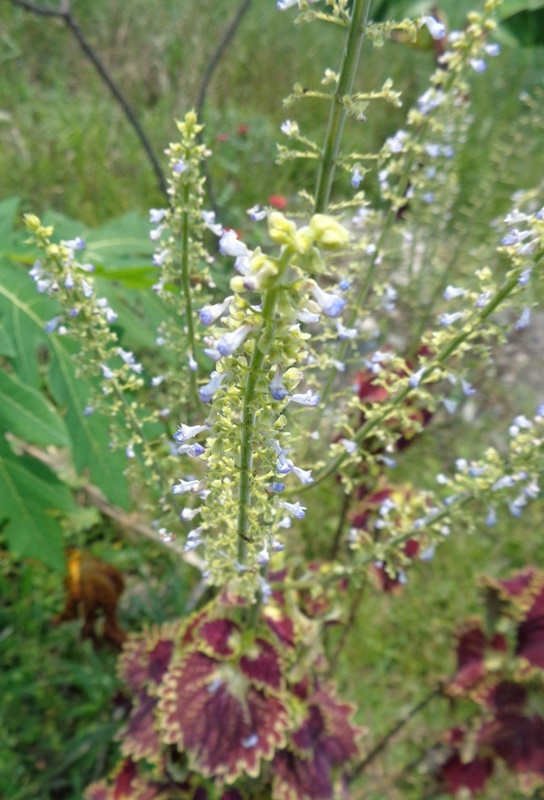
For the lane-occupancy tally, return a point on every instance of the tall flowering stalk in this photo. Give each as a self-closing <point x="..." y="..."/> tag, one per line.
<point x="283" y="341"/>
<point x="259" y="350"/>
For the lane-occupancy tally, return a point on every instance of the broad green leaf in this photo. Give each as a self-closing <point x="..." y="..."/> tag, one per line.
<point x="525" y="28"/>
<point x="510" y="7"/>
<point x="64" y="227"/>
<point x="91" y="451"/>
<point x="26" y="413"/>
<point x="123" y="242"/>
<point x="140" y="312"/>
<point x="8" y="213"/>
<point x="33" y="500"/>
<point x="23" y="313"/>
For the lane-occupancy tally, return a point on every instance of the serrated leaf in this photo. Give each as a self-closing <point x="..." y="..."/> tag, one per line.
<point x="26" y="413"/>
<point x="33" y="500"/>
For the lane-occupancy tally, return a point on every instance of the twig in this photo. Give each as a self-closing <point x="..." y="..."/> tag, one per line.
<point x="357" y="597"/>
<point x="398" y="726"/>
<point x="207" y="78"/>
<point x="65" y="14"/>
<point x="346" y="502"/>
<point x="218" y="54"/>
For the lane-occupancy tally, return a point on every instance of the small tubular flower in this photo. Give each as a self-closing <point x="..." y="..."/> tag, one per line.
<point x="230" y="342"/>
<point x="210" y="314"/>
<point x="331" y="304"/>
<point x="207" y="392"/>
<point x="230" y="245"/>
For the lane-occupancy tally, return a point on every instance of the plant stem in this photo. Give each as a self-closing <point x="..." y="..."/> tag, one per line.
<point x="186" y="284"/>
<point x="261" y="344"/>
<point x="338" y="113"/>
<point x="398" y="726"/>
<point x="403" y="393"/>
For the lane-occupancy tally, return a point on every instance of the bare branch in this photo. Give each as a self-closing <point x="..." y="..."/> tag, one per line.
<point x="206" y="80"/>
<point x="65" y="14"/>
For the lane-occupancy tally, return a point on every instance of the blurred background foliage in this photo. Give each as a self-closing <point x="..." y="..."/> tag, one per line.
<point x="65" y="147"/>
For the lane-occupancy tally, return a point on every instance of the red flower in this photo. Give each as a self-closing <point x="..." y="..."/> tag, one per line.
<point x="222" y="137"/>
<point x="278" y="201"/>
<point x="242" y="130"/>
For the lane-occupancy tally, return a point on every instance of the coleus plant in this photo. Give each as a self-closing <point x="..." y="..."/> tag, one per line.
<point x="500" y="670"/>
<point x="216" y="703"/>
<point x="236" y="700"/>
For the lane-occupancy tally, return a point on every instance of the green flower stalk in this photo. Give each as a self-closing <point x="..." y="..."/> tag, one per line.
<point x="258" y="369"/>
<point x="180" y="255"/>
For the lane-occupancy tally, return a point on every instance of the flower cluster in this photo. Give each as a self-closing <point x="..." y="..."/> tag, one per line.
<point x="180" y="256"/>
<point x="258" y="345"/>
<point x="86" y="316"/>
<point x="500" y="669"/>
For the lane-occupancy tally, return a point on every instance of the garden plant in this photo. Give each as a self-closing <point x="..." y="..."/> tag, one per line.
<point x="272" y="398"/>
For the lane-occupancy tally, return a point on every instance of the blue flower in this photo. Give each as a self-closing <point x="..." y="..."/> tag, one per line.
<point x="277" y="389"/>
<point x="206" y="393"/>
<point x="330" y="303"/>
<point x="230" y="342"/>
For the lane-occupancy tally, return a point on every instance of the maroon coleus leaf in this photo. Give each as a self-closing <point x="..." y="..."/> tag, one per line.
<point x="139" y="738"/>
<point x="471" y="776"/>
<point x="279" y="623"/>
<point x="507" y="697"/>
<point x="262" y="665"/>
<point x="301" y="779"/>
<point x="530" y="640"/>
<point x="369" y="390"/>
<point x="518" y="740"/>
<point x="146" y="656"/>
<point x="218" y="637"/>
<point x="128" y="785"/>
<point x="520" y="596"/>
<point x="213" y="711"/>
<point x="325" y="739"/>
<point x="340" y="737"/>
<point x="97" y="791"/>
<point x="473" y="677"/>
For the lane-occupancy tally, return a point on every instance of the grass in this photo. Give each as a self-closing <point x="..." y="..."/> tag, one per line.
<point x="65" y="145"/>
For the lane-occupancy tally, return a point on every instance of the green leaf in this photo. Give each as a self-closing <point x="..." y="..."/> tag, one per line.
<point x="123" y="242"/>
<point x="8" y="213"/>
<point x="26" y="413"/>
<point x="524" y="28"/>
<point x="23" y="312"/>
<point x="139" y="314"/>
<point x="32" y="501"/>
<point x="90" y="434"/>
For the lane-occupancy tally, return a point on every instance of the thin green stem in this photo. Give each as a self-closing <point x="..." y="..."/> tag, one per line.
<point x="338" y="113"/>
<point x="261" y="346"/>
<point x="186" y="286"/>
<point x="403" y="393"/>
